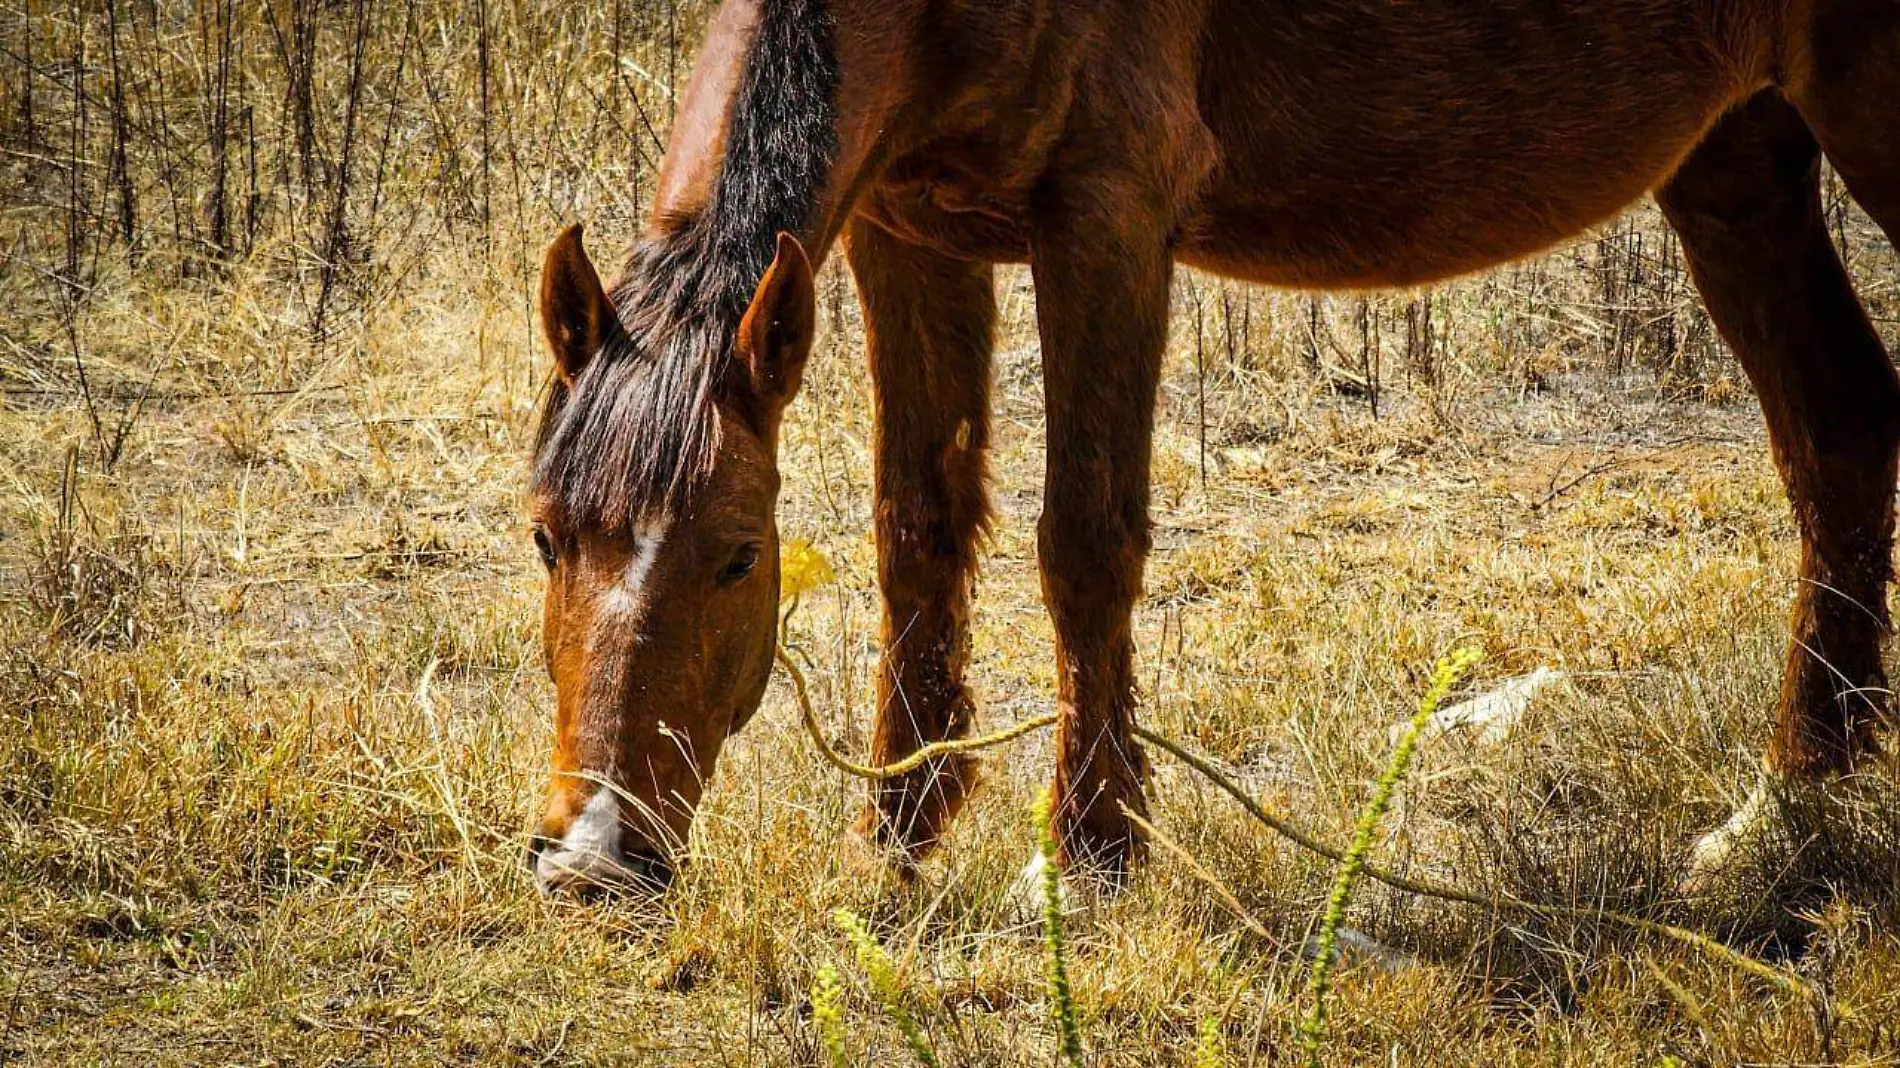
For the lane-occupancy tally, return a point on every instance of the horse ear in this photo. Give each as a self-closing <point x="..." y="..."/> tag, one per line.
<point x="575" y="311"/>
<point x="775" y="335"/>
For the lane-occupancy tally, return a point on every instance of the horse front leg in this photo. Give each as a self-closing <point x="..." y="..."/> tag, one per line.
<point x="929" y="322"/>
<point x="1102" y="274"/>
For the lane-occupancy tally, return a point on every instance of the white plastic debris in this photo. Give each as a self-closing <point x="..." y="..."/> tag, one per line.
<point x="1490" y="717"/>
<point x="1357" y="947"/>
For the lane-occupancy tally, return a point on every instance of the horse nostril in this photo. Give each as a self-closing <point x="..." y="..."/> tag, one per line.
<point x="537" y="845"/>
<point x="651" y="871"/>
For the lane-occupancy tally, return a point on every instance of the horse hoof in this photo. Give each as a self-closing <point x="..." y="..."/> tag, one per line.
<point x="865" y="863"/>
<point x="1721" y="857"/>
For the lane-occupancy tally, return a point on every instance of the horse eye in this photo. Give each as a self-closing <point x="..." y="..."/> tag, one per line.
<point x="544" y="546"/>
<point x="742" y="564"/>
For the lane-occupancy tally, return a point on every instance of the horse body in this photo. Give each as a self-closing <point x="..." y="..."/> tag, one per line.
<point x="1323" y="143"/>
<point x="1394" y="144"/>
<point x="1338" y="145"/>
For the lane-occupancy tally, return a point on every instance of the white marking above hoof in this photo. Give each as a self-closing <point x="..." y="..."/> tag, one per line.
<point x="1757" y="826"/>
<point x="1024" y="898"/>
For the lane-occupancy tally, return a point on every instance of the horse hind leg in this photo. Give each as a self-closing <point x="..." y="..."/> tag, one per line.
<point x="1747" y="207"/>
<point x="1847" y="96"/>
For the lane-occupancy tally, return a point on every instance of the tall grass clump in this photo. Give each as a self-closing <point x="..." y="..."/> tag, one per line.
<point x="1444" y="676"/>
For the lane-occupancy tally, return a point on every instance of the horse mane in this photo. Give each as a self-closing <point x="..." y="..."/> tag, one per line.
<point x="635" y="432"/>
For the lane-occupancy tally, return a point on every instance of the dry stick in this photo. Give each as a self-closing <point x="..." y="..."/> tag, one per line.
<point x="395" y="102"/>
<point x="1369" y="355"/>
<point x="27" y="124"/>
<point x="1286" y="829"/>
<point x="481" y="74"/>
<point x="301" y="61"/>
<point x="1200" y="380"/>
<point x="915" y="760"/>
<point x="77" y="201"/>
<point x="1444" y="892"/>
<point x="153" y="93"/>
<point x="1614" y="462"/>
<point x="218" y="136"/>
<point x="337" y="245"/>
<point x="240" y="47"/>
<point x="253" y="199"/>
<point x="70" y="311"/>
<point x="77" y="293"/>
<point x="118" y="171"/>
<point x="13" y="1005"/>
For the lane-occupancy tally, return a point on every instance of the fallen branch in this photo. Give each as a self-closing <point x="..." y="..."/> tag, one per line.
<point x="915" y="760"/>
<point x="1777" y="977"/>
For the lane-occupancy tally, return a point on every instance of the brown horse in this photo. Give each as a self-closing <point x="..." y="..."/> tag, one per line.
<point x="1317" y="143"/>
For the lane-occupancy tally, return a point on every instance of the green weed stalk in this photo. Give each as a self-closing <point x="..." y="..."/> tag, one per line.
<point x="1056" y="939"/>
<point x="1209" y="1050"/>
<point x="882" y="972"/>
<point x="1319" y="984"/>
<point x="827" y="1011"/>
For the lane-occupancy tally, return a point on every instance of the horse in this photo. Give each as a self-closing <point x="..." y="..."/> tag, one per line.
<point x="1321" y="144"/>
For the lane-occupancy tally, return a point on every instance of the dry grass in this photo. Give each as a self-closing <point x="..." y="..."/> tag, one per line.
<point x="258" y="475"/>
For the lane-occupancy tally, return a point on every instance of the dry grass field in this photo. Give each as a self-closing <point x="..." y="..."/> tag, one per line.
<point x="273" y="720"/>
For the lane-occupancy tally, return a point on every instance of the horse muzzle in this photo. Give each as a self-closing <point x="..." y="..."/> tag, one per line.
<point x="590" y="872"/>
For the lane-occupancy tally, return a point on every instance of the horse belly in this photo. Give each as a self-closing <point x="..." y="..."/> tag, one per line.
<point x="1341" y="233"/>
<point x="1395" y="150"/>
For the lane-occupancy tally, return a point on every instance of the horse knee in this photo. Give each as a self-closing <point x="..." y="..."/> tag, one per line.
<point x="1092" y="559"/>
<point x="926" y="549"/>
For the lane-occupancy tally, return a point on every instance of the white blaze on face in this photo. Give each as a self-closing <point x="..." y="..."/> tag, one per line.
<point x="626" y="600"/>
<point x="591" y="846"/>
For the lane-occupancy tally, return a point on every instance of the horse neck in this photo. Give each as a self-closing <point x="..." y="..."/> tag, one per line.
<point x="862" y="74"/>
